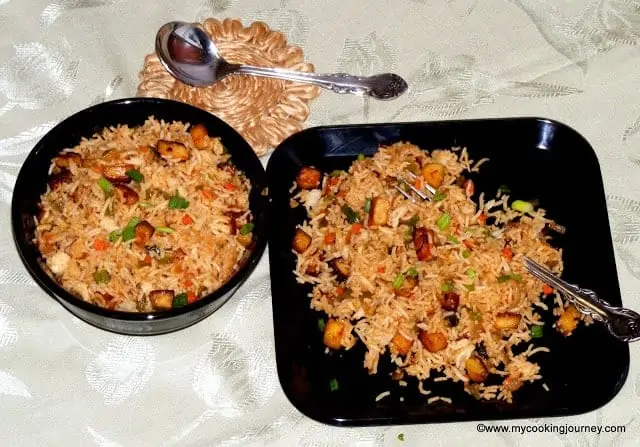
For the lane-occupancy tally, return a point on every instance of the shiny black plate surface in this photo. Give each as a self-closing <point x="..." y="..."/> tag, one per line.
<point x="538" y="159"/>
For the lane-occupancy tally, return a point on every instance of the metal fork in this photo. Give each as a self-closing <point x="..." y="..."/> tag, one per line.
<point x="623" y="324"/>
<point x="431" y="191"/>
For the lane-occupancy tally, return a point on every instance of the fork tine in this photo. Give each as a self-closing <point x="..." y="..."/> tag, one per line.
<point x="404" y="193"/>
<point x="420" y="194"/>
<point x="427" y="186"/>
<point x="545" y="275"/>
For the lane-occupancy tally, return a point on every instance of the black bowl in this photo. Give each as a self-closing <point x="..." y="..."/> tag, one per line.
<point x="32" y="182"/>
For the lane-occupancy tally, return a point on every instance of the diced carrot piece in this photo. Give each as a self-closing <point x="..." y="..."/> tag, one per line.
<point x="230" y="186"/>
<point x="507" y="253"/>
<point x="207" y="193"/>
<point x="191" y="297"/>
<point x="342" y="193"/>
<point x="188" y="283"/>
<point x="468" y="243"/>
<point x="187" y="220"/>
<point x="382" y="269"/>
<point x="329" y="238"/>
<point x="340" y="291"/>
<point x="417" y="183"/>
<point x="147" y="260"/>
<point x="482" y="218"/>
<point x="547" y="290"/>
<point x="99" y="244"/>
<point x="356" y="228"/>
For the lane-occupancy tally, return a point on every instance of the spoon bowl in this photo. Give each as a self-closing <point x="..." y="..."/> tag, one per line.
<point x="187" y="52"/>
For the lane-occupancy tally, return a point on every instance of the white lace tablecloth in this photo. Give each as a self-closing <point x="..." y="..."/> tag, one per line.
<point x="65" y="383"/>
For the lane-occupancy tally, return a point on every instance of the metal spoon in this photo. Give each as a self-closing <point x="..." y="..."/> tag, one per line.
<point x="189" y="54"/>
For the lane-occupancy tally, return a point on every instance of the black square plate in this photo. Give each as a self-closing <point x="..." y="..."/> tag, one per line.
<point x="536" y="158"/>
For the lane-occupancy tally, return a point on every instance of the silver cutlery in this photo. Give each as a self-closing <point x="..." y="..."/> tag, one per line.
<point x="623" y="324"/>
<point x="188" y="53"/>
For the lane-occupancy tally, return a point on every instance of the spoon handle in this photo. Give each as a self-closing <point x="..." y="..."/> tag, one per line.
<point x="337" y="82"/>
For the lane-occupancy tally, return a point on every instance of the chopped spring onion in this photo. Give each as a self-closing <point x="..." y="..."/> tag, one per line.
<point x="321" y="324"/>
<point x="165" y="230"/>
<point x="180" y="300"/>
<point x="400" y="436"/>
<point x="398" y="281"/>
<point x="367" y="205"/>
<point x="106" y="186"/>
<point x="444" y="221"/>
<point x="246" y="229"/>
<point x="513" y="276"/>
<point x="447" y="287"/>
<point x="536" y="331"/>
<point x="115" y="235"/>
<point x="129" y="232"/>
<point x="352" y="216"/>
<point x="466" y="254"/>
<point x="522" y="206"/>
<point x="145" y="204"/>
<point x="471" y="273"/>
<point x="470" y="287"/>
<point x="476" y="316"/>
<point x="411" y="222"/>
<point x="453" y="240"/>
<point x="412" y="272"/>
<point x="135" y="175"/>
<point x="177" y="202"/>
<point x="333" y="385"/>
<point x="101" y="276"/>
<point x="504" y="189"/>
<point x="439" y="195"/>
<point x="336" y="173"/>
<point x="361" y="157"/>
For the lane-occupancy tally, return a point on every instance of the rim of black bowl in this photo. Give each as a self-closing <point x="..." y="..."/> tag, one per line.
<point x="31" y="256"/>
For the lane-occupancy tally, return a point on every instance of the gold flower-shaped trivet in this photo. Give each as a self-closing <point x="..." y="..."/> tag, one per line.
<point x="265" y="111"/>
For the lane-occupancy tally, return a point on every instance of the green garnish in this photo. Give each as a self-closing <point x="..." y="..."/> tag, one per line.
<point x="165" y="230"/>
<point x="321" y="324"/>
<point x="447" y="287"/>
<point x="522" y="206"/>
<point x="361" y="157"/>
<point x="536" y="331"/>
<point x="514" y="276"/>
<point x="128" y="233"/>
<point x="400" y="436"/>
<point x="367" y="205"/>
<point x="438" y="196"/>
<point x="336" y="173"/>
<point x="106" y="186"/>
<point x="411" y="222"/>
<point x="476" y="316"/>
<point x="333" y="385"/>
<point x="145" y="204"/>
<point x="470" y="287"/>
<point x="453" y="239"/>
<point x="471" y="273"/>
<point x="504" y="189"/>
<point x="135" y="175"/>
<point x="352" y="216"/>
<point x="134" y="221"/>
<point x="115" y="235"/>
<point x="444" y="221"/>
<point x="246" y="228"/>
<point x="101" y="276"/>
<point x="466" y="254"/>
<point x="177" y="202"/>
<point x="180" y="300"/>
<point x="398" y="281"/>
<point x="412" y="272"/>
